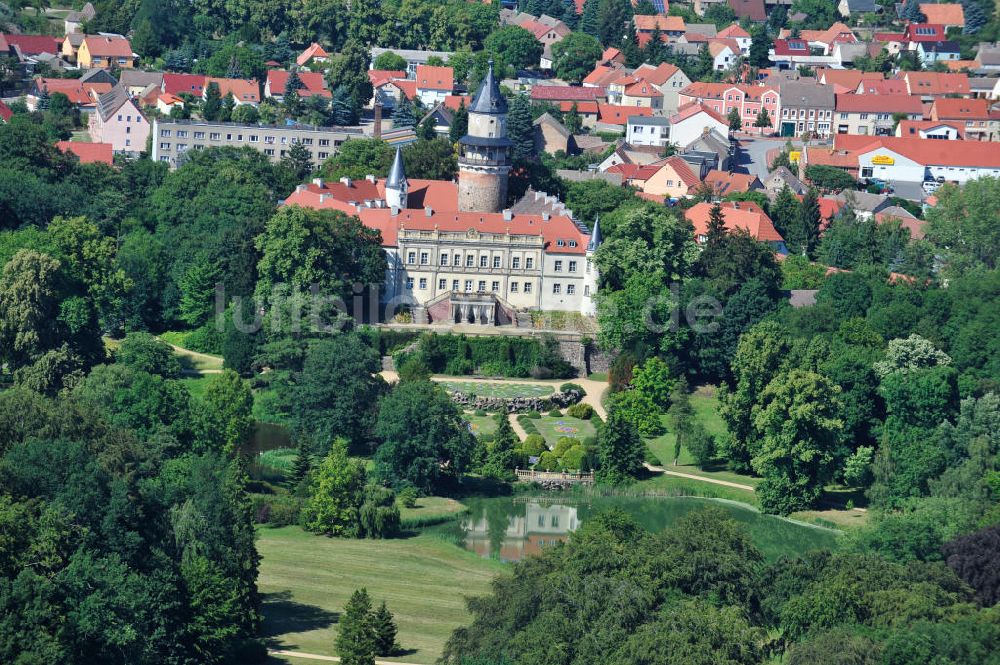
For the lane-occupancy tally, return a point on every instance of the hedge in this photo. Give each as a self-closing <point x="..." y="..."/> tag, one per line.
<point x="499" y="355"/>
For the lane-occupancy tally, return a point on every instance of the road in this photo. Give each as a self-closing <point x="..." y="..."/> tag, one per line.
<point x="752" y="156"/>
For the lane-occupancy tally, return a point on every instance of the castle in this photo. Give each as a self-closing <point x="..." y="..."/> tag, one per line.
<point x="455" y="252"/>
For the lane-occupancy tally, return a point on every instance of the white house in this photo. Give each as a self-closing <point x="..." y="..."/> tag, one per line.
<point x="917" y="160"/>
<point x="434" y="84"/>
<point x="693" y="121"/>
<point x="649" y="130"/>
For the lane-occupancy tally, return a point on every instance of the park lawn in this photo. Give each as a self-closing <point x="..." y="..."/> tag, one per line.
<point x="196" y="385"/>
<point x="672" y="485"/>
<point x="549" y="427"/>
<point x="497" y="388"/>
<point x="305" y="580"/>
<point x="191" y="360"/>
<point x="480" y="424"/>
<point x="430" y="509"/>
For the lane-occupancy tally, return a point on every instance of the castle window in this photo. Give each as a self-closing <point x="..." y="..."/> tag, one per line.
<point x="556" y="288"/>
<point x="409" y="282"/>
<point x="468" y="285"/>
<point x="494" y="287"/>
<point x="423" y="283"/>
<point x="483" y="261"/>
<point x="527" y="287"/>
<point x="586" y="290"/>
<point x="558" y="267"/>
<point x="442" y="284"/>
<point x="572" y="266"/>
<point x="424" y="258"/>
<point x="482" y="285"/>
<point x="515" y="262"/>
<point x="469" y="261"/>
<point x="496" y="261"/>
<point x="411" y="257"/>
<point x="454" y="285"/>
<point x="529" y="263"/>
<point x="444" y="259"/>
<point x="513" y="287"/>
<point x="570" y="289"/>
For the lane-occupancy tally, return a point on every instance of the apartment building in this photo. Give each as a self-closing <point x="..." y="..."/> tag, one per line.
<point x="806" y="107"/>
<point x="872" y="115"/>
<point x="172" y="138"/>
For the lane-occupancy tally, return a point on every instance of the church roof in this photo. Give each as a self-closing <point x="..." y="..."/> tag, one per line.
<point x="488" y="98"/>
<point x="396" y="175"/>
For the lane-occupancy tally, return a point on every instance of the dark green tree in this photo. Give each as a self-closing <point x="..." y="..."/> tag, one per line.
<point x="356" y="638"/>
<point x="459" y="123"/>
<point x="403" y="115"/>
<point x="620" y="449"/>
<point x="211" y="108"/>
<point x="520" y="128"/>
<point x="385" y="631"/>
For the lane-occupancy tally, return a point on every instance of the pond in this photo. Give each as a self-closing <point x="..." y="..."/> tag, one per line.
<point x="510" y="529"/>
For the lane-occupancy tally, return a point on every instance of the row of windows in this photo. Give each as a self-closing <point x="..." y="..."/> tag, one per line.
<point x="252" y="138"/>
<point x="165" y="146"/>
<point x="494" y="286"/>
<point x="785" y="113"/>
<point x="484" y="261"/>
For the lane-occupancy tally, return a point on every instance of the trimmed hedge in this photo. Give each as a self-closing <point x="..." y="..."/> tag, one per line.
<point x="499" y="355"/>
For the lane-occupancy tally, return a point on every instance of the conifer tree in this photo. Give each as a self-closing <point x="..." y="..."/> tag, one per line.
<point x="459" y="123"/>
<point x="301" y="465"/>
<point x="356" y="637"/>
<point x="681" y="414"/>
<point x="716" y="225"/>
<point x="735" y="122"/>
<point x="43" y="99"/>
<point x="620" y="448"/>
<point x="569" y="15"/>
<point x="211" y="109"/>
<point x="385" y="631"/>
<point x="588" y="20"/>
<point x="404" y="116"/>
<point x="975" y="17"/>
<point x="342" y="108"/>
<point x="520" y="128"/>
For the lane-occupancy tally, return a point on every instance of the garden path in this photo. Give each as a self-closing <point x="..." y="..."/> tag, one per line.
<point x="328" y="659"/>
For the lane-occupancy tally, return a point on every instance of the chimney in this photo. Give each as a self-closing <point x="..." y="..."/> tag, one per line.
<point x="323" y="197"/>
<point x="395" y="211"/>
<point x="507" y="215"/>
<point x="345" y="181"/>
<point x="300" y="188"/>
<point x="378" y="120"/>
<point x="545" y="216"/>
<point x="370" y="178"/>
<point x="428" y="211"/>
<point x="318" y="182"/>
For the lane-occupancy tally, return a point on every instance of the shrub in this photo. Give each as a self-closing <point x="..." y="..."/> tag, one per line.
<point x="479" y="412"/>
<point x="459" y="367"/>
<point x="534" y="415"/>
<point x="407" y="497"/>
<point x="701" y="445"/>
<point x="526" y="424"/>
<point x="379" y="514"/>
<point x="651" y="457"/>
<point x="275" y="509"/>
<point x="485" y="438"/>
<point x="492" y="368"/>
<point x="581" y="411"/>
<point x="574" y="459"/>
<point x="566" y="387"/>
<point x="555" y="413"/>
<point x="563" y="444"/>
<point x="590" y="442"/>
<point x="206" y="339"/>
<point x="548" y="461"/>
<point x="534" y="445"/>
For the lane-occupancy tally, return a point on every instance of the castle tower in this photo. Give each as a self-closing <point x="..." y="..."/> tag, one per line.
<point x="396" y="186"/>
<point x="588" y="304"/>
<point x="484" y="153"/>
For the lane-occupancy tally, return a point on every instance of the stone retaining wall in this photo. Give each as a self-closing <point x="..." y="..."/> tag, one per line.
<point x="557" y="400"/>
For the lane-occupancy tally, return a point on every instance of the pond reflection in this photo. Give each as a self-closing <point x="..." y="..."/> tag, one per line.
<point x="525" y="533"/>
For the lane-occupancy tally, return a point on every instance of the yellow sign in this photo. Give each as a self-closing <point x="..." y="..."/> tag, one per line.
<point x="794" y="155"/>
<point x="883" y="160"/>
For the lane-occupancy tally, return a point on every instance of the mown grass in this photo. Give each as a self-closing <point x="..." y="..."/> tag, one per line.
<point x="549" y="427"/>
<point x="307" y="579"/>
<point x="196" y="385"/>
<point x="481" y="424"/>
<point x="430" y="510"/>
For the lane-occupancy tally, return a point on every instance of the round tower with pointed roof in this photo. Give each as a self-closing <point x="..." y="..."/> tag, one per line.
<point x="484" y="153"/>
<point x="396" y="186"/>
<point x="591" y="276"/>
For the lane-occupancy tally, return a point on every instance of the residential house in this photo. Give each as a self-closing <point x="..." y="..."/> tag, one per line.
<point x="824" y="40"/>
<point x="709" y="151"/>
<point x="185" y="84"/>
<point x="752" y="10"/>
<point x="28" y="50"/>
<point x="943" y="51"/>
<point x="699" y="32"/>
<point x="946" y="14"/>
<point x="441" y="117"/>
<point x="119" y="122"/>
<point x="588" y="112"/>
<point x="566" y="93"/>
<point x="988" y="57"/>
<point x="611" y="117"/>
<point x="244" y="91"/>
<point x="74" y="20"/>
<point x="385" y="91"/>
<point x="737" y="34"/>
<point x="917" y="160"/>
<point x="915" y="33"/>
<point x="791" y="52"/>
<point x="551" y="136"/>
<point x="136" y="80"/>
<point x="849" y="7"/>
<point x="81" y="95"/>
<point x="70" y="46"/>
<point x="864" y="204"/>
<point x="167" y="102"/>
<point x="738" y="215"/>
<point x="701" y="6"/>
<point x="846" y="80"/>
<point x="872" y="115"/>
<point x="313" y="83"/>
<point x="904" y="218"/>
<point x="747" y="100"/>
<point x="928" y="85"/>
<point x="671" y="28"/>
<point x="314" y="53"/>
<point x="670" y="80"/>
<point x="612" y="57"/>
<point x="693" y="121"/>
<point x="89" y="153"/>
<point x="413" y="57"/>
<point x="603" y="75"/>
<point x="780" y="178"/>
<point x="931" y="129"/>
<point x="434" y="84"/>
<point x="980" y="123"/>
<point x="882" y="87"/>
<point x="724" y="182"/>
<point x="546" y="29"/>
<point x="106" y="52"/>
<point x="806" y="107"/>
<point x="639" y="93"/>
<point x="652" y="130"/>
<point x="673" y="178"/>
<point x="725" y="53"/>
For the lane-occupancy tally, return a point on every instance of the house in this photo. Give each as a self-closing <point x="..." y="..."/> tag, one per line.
<point x="701" y="6"/>
<point x="603" y="75"/>
<point x="946" y="14"/>
<point x="872" y="115"/>
<point x="709" y="151"/>
<point x="314" y="53"/>
<point x="614" y="117"/>
<point x="943" y="51"/>
<point x="118" y="121"/>
<point x="612" y="57"/>
<point x="693" y="121"/>
<point x="780" y="178"/>
<point x="546" y="29"/>
<point x="74" y="20"/>
<point x="184" y="84"/>
<point x="923" y="32"/>
<point x="752" y="10"/>
<point x="882" y="87"/>
<point x="737" y="34"/>
<point x="931" y="129"/>
<point x="166" y="102"/>
<point x="806" y="107"/>
<point x="846" y="80"/>
<point x="824" y="40"/>
<point x="244" y="91"/>
<point x="699" y="32"/>
<point x="388" y="88"/>
<point x="413" y="57"/>
<point x="588" y="112"/>
<point x="670" y="80"/>
<point x="639" y="93"/>
<point x="915" y="159"/>
<point x="106" y="52"/>
<point x="790" y="52"/>
<point x="724" y="182"/>
<point x="441" y="117"/>
<point x="71" y="46"/>
<point x="905" y="219"/>
<point x="81" y="95"/>
<point x="849" y="7"/>
<point x="28" y="50"/>
<point x="671" y="28"/>
<point x="89" y="153"/>
<point x="651" y="130"/>
<point x="980" y="123"/>
<point x="551" y="136"/>
<point x="673" y="179"/>
<point x="988" y="57"/>
<point x="738" y="216"/>
<point x="566" y="93"/>
<point x="136" y="80"/>
<point x="725" y="53"/>
<point x="313" y="83"/>
<point x="928" y="85"/>
<point x="747" y="100"/>
<point x="864" y="204"/>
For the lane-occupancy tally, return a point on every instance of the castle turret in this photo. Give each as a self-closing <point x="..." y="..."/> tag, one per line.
<point x="396" y="185"/>
<point x="591" y="277"/>
<point x="484" y="153"/>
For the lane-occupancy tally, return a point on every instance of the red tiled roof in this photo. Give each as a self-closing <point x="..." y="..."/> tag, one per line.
<point x="193" y="84"/>
<point x="435" y="78"/>
<point x="937" y="83"/>
<point x="452" y="102"/>
<point x="751" y="9"/>
<point x="981" y="154"/>
<point x="643" y="88"/>
<point x="636" y="172"/>
<point x="849" y="78"/>
<point x="567" y="92"/>
<point x="733" y="30"/>
<point x="715" y="46"/>
<point x="948" y="108"/>
<point x="959" y="65"/>
<point x="29" y="44"/>
<point x="945" y="13"/>
<point x="906" y="220"/>
<point x="738" y="215"/>
<point x="535" y="28"/>
<point x="407" y="86"/>
<point x="610" y="53"/>
<point x="702" y="90"/>
<point x="683" y="170"/>
<point x="665" y="23"/>
<point x="244" y="90"/>
<point x="378" y="77"/>
<point x="694" y="108"/>
<point x="879" y="104"/>
<point x="910" y="33"/>
<point x="619" y="115"/>
<point x="791" y="47"/>
<point x="840" y="157"/>
<point x="914" y="127"/>
<point x="5" y="112"/>
<point x="313" y="51"/>
<point x="313" y="82"/>
<point x="72" y="88"/>
<point x="724" y="182"/>
<point x="581" y="107"/>
<point x="657" y="75"/>
<point x="108" y="47"/>
<point x="89" y="153"/>
<point x="887" y="37"/>
<point x="886" y="87"/>
<point x="601" y="76"/>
